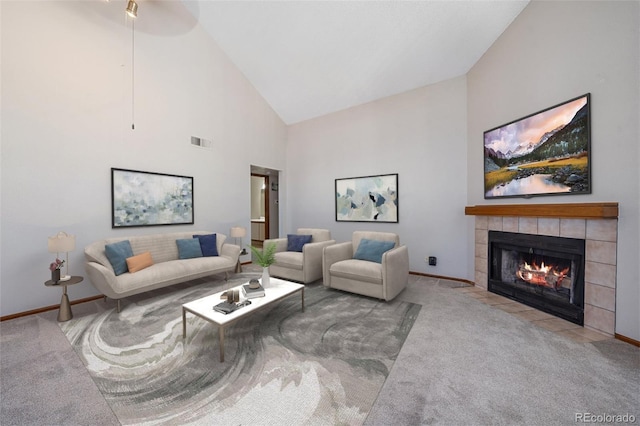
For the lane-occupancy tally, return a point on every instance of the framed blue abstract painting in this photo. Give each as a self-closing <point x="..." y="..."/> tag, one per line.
<point x="367" y="199"/>
<point x="150" y="199"/>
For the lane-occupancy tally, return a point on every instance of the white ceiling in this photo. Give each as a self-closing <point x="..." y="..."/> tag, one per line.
<point x="310" y="58"/>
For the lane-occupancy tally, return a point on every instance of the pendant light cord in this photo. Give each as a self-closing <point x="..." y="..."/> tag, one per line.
<point x="133" y="49"/>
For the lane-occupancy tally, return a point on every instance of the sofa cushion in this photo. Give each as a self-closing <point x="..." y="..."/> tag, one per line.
<point x="139" y="262"/>
<point x="358" y="270"/>
<point x="372" y="250"/>
<point x="289" y="259"/>
<point x="189" y="248"/>
<point x="295" y="242"/>
<point x="163" y="247"/>
<point x="117" y="253"/>
<point x="170" y="272"/>
<point x="208" y="244"/>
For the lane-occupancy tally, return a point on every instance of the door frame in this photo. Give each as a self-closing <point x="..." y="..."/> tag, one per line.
<point x="266" y="203"/>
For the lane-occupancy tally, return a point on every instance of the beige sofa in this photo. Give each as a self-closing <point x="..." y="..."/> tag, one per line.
<point x="384" y="280"/>
<point x="167" y="268"/>
<point x="305" y="266"/>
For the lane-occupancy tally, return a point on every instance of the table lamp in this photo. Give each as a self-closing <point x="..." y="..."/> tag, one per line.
<point x="239" y="232"/>
<point x="62" y="243"/>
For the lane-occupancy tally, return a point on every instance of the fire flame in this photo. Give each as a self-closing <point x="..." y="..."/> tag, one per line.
<point x="544" y="275"/>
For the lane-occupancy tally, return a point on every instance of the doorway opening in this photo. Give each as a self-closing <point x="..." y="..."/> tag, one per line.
<point x="264" y="205"/>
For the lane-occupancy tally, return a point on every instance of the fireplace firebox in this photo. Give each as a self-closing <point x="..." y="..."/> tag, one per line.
<point x="544" y="272"/>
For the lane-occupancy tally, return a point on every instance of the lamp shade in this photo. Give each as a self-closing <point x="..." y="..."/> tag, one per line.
<point x="238" y="232"/>
<point x="62" y="242"/>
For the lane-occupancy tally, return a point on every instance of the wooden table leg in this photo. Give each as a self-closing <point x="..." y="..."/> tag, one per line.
<point x="302" y="299"/>
<point x="221" y="338"/>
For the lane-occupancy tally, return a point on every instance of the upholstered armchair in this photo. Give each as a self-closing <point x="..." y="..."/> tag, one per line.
<point x="299" y="256"/>
<point x="372" y="264"/>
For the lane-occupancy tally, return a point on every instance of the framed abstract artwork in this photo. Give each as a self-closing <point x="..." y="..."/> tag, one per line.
<point x="544" y="153"/>
<point x="150" y="199"/>
<point x="367" y="199"/>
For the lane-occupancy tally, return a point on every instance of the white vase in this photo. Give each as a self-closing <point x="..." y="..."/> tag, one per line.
<point x="265" y="277"/>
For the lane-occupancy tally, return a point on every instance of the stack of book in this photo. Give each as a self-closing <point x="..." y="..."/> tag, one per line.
<point x="225" y="307"/>
<point x="250" y="293"/>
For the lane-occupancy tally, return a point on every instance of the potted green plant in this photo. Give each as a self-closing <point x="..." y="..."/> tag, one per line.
<point x="264" y="258"/>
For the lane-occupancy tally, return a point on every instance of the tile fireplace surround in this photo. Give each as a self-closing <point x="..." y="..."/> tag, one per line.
<point x="596" y="223"/>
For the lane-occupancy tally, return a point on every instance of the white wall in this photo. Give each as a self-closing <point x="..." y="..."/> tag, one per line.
<point x="66" y="116"/>
<point x="421" y="135"/>
<point x="552" y="52"/>
<point x="66" y="120"/>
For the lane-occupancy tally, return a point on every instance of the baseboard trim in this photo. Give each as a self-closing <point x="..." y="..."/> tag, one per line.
<point x="626" y="339"/>
<point x="47" y="308"/>
<point x="462" y="280"/>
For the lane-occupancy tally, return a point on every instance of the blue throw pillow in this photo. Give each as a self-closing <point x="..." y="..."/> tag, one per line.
<point x="372" y="250"/>
<point x="117" y="253"/>
<point x="295" y="242"/>
<point x="208" y="244"/>
<point x="189" y="248"/>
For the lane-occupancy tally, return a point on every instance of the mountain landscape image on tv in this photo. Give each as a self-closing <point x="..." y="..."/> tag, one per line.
<point x="545" y="153"/>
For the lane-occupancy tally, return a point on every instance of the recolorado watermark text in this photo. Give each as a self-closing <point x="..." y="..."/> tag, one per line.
<point x="605" y="418"/>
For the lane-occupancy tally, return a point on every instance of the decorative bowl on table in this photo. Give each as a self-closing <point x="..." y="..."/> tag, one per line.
<point x="254" y="283"/>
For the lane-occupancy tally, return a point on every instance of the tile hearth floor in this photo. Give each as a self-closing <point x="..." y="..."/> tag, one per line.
<point x="559" y="326"/>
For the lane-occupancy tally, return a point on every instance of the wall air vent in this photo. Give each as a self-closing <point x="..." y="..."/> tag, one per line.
<point x="202" y="143"/>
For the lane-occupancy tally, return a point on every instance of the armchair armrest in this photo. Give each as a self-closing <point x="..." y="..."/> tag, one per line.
<point x="332" y="254"/>
<point x="281" y="243"/>
<point x="312" y="258"/>
<point x="395" y="271"/>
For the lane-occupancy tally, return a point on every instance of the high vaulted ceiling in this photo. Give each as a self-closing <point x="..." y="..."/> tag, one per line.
<point x="311" y="58"/>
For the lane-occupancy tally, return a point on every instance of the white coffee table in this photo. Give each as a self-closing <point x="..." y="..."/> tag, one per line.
<point x="278" y="290"/>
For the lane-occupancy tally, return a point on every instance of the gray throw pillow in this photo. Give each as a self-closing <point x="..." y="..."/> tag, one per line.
<point x="188" y="248"/>
<point x="117" y="253"/>
<point x="372" y="250"/>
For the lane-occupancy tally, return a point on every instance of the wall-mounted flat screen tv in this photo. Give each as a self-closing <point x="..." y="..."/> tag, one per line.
<point x="545" y="153"/>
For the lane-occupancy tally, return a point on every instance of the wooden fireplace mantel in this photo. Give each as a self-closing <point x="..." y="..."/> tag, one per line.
<point x="571" y="210"/>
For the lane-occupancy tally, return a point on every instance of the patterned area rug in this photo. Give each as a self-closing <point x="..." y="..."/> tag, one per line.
<point x="325" y="365"/>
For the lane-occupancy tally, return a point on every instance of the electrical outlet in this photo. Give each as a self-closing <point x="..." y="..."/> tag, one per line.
<point x="432" y="260"/>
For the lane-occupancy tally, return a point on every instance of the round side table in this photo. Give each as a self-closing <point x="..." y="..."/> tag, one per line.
<point x="64" y="314"/>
